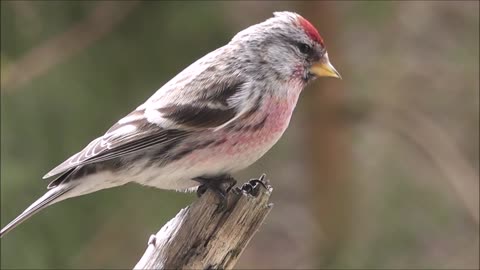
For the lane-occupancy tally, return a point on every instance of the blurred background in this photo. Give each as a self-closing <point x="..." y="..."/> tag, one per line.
<point x="378" y="170"/>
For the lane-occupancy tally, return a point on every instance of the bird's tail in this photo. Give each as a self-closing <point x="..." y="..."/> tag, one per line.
<point x="44" y="201"/>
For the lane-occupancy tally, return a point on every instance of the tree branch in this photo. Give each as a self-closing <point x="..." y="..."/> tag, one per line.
<point x="203" y="237"/>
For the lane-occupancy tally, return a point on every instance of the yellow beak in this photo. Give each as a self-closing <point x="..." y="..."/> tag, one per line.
<point x="323" y="68"/>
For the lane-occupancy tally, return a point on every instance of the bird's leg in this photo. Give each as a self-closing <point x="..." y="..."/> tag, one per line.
<point x="217" y="185"/>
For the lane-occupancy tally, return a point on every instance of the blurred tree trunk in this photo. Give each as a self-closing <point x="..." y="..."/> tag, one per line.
<point x="326" y="135"/>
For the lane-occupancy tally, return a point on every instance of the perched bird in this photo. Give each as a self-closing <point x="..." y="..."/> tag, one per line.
<point x="217" y="116"/>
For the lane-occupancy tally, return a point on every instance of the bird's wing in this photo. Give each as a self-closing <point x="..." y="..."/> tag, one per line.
<point x="164" y="120"/>
<point x="120" y="140"/>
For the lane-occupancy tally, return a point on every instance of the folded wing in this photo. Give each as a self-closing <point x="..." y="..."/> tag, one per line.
<point x="153" y="125"/>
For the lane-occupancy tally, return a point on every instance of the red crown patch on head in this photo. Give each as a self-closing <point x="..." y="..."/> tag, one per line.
<point x="310" y="30"/>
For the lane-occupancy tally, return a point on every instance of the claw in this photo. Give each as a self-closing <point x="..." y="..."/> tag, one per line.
<point x="231" y="185"/>
<point x="216" y="184"/>
<point x="237" y="190"/>
<point x="201" y="190"/>
<point x="255" y="182"/>
<point x="251" y="187"/>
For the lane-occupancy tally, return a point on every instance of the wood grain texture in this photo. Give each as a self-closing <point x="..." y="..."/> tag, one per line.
<point x="202" y="236"/>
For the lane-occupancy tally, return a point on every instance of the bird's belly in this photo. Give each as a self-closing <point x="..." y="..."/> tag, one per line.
<point x="231" y="150"/>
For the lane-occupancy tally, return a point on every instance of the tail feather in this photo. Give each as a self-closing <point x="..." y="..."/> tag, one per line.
<point x="47" y="199"/>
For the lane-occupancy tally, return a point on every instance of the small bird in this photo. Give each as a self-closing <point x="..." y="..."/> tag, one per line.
<point x="217" y="116"/>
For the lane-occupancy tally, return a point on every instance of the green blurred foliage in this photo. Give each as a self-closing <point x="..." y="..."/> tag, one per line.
<point x="419" y="56"/>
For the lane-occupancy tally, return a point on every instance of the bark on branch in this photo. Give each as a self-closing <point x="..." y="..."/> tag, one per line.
<point x="203" y="237"/>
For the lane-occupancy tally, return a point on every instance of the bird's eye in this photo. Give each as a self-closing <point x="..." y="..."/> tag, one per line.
<point x="304" y="48"/>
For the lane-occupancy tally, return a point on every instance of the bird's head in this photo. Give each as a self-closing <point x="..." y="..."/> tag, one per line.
<point x="287" y="45"/>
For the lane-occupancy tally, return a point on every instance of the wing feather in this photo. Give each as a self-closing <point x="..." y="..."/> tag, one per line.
<point x="113" y="145"/>
<point x="178" y="109"/>
<point x="137" y="134"/>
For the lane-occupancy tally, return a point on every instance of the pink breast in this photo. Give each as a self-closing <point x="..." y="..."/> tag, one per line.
<point x="239" y="149"/>
<point x="277" y="115"/>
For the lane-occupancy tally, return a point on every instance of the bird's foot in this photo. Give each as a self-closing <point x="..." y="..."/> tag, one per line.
<point x="252" y="187"/>
<point x="220" y="185"/>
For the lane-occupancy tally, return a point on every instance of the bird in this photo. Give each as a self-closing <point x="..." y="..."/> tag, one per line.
<point x="216" y="117"/>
